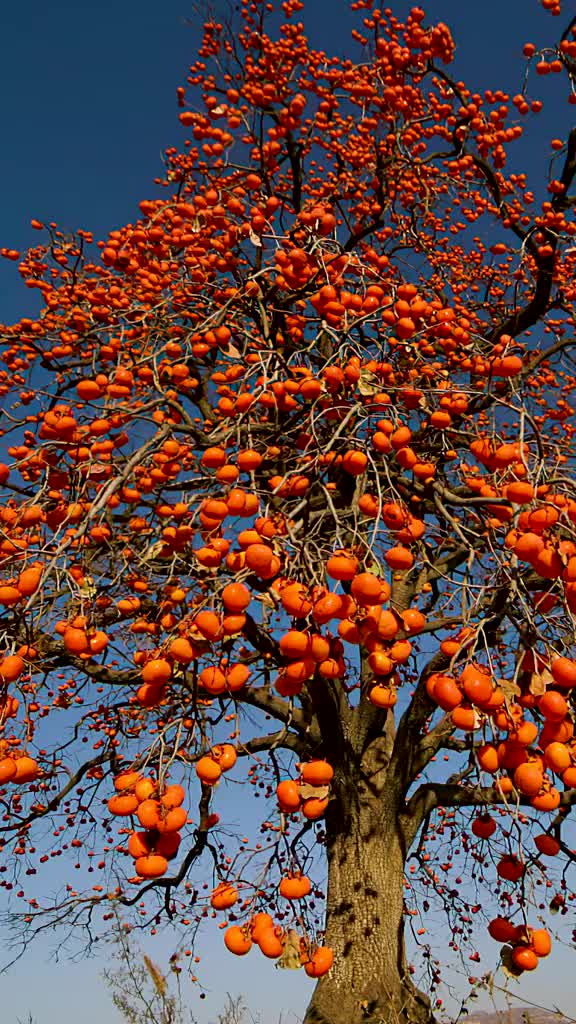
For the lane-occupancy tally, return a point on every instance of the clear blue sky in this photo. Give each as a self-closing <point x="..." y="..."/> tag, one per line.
<point x="87" y="103"/>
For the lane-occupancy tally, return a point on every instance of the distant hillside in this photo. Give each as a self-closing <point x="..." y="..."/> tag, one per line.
<point x="519" y="1015"/>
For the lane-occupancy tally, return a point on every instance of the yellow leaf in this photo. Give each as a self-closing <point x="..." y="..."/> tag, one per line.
<point x="306" y="791"/>
<point x="290" y="958"/>
<point x="539" y="681"/>
<point x="87" y="588"/>
<point x="368" y="383"/>
<point x="510" y="689"/>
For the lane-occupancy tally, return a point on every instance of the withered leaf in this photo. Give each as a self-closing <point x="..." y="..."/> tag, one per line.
<point x="87" y="588"/>
<point x="539" y="681"/>
<point x="537" y="684"/>
<point x="290" y="957"/>
<point x="510" y="689"/>
<point x="153" y="551"/>
<point x="306" y="791"/>
<point x="368" y="383"/>
<point x="508" y="965"/>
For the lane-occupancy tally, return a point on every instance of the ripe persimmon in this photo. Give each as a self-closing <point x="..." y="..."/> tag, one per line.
<point x="317" y="773"/>
<point x="155" y="672"/>
<point x="524" y="958"/>
<point x="208" y="770"/>
<point x="320" y="962"/>
<point x="224" y="896"/>
<point x="237" y="940"/>
<point x="270" y="941"/>
<point x="295" y="887"/>
<point x="151" y="865"/>
<point x="288" y="795"/>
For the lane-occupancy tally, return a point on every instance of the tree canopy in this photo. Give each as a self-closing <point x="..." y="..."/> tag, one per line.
<point x="288" y="502"/>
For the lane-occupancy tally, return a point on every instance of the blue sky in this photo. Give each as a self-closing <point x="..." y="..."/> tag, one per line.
<point x="87" y="104"/>
<point x="87" y="101"/>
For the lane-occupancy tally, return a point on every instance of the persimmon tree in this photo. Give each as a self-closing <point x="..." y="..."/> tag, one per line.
<point x="289" y="499"/>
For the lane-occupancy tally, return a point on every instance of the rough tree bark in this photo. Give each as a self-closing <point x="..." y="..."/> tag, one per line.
<point x="365" y="923"/>
<point x="367" y="842"/>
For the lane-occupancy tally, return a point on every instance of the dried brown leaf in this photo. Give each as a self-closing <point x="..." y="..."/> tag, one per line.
<point x="290" y="957"/>
<point x="508" y="965"/>
<point x="306" y="791"/>
<point x="538" y="683"/>
<point x="510" y="689"/>
<point x="368" y="384"/>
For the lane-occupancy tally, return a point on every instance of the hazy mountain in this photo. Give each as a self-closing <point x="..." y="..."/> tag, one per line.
<point x="519" y="1015"/>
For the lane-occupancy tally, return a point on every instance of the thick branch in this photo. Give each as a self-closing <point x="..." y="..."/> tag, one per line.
<point x="412" y="722"/>
<point x="435" y="794"/>
<point x="407" y="749"/>
<point x="262" y="697"/>
<point x="439" y="738"/>
<point x="273" y="740"/>
<point x="41" y="810"/>
<point x="261" y="640"/>
<point x="193" y="854"/>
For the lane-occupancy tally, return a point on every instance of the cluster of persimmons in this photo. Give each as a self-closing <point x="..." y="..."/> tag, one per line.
<point x="300" y="435"/>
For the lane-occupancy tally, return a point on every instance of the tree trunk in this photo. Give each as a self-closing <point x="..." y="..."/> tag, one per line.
<point x="369" y="982"/>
